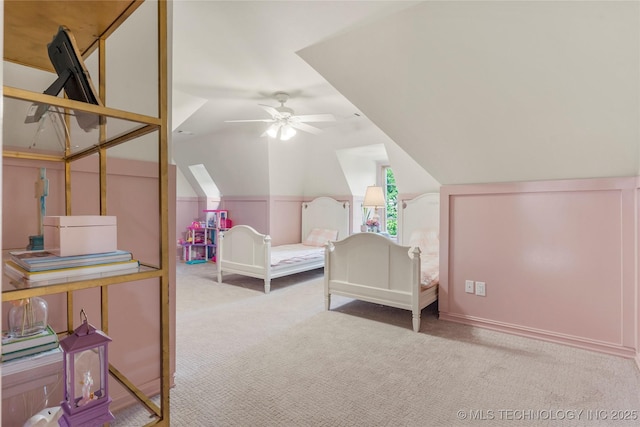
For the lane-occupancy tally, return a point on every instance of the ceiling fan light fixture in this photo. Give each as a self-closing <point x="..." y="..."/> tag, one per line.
<point x="273" y="130"/>
<point x="287" y="132"/>
<point x="283" y="120"/>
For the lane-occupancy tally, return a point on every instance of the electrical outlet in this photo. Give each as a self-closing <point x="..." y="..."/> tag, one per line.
<point x="481" y="289"/>
<point x="468" y="286"/>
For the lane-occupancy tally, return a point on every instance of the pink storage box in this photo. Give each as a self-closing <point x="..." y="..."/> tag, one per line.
<point x="80" y="234"/>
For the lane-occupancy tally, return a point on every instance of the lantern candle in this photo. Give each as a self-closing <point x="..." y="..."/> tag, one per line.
<point x="86" y="369"/>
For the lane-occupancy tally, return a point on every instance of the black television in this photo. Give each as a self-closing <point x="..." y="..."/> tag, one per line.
<point x="72" y="76"/>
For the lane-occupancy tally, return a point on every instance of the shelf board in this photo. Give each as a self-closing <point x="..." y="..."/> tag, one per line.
<point x="30" y="25"/>
<point x="47" y="138"/>
<point x="11" y="293"/>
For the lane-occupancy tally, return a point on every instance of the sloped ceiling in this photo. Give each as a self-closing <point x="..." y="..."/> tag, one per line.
<point x="235" y="55"/>
<point x="498" y="91"/>
<point x="237" y="163"/>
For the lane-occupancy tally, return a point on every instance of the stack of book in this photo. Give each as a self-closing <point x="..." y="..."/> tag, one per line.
<point x="16" y="347"/>
<point x="41" y="267"/>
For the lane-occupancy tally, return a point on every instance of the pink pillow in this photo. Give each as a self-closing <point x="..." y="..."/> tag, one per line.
<point x="320" y="237"/>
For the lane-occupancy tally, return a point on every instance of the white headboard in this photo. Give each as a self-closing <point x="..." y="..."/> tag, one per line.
<point x="420" y="212"/>
<point x="325" y="212"/>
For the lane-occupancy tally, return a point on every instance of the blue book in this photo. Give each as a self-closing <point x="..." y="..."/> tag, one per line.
<point x="42" y="260"/>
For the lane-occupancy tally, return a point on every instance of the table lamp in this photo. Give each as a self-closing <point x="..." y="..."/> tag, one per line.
<point x="374" y="198"/>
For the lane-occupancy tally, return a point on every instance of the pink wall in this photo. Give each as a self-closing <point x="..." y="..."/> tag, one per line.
<point x="19" y="200"/>
<point x="252" y="211"/>
<point x="187" y="211"/>
<point x="285" y="218"/>
<point x="558" y="259"/>
<point x="132" y="196"/>
<point x="278" y="216"/>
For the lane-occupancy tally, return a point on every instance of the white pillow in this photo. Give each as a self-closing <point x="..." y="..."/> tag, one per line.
<point x="320" y="237"/>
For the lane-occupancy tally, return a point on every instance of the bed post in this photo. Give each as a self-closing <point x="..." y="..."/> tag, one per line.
<point x="267" y="264"/>
<point x="328" y="247"/>
<point x="415" y="288"/>
<point x="219" y="256"/>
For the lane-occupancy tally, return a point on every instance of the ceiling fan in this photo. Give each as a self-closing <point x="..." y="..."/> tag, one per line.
<point x="284" y="122"/>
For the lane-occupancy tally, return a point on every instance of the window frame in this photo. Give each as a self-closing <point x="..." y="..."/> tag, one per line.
<point x="383" y="182"/>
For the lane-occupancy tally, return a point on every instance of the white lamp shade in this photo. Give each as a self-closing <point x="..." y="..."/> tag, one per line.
<point x="374" y="197"/>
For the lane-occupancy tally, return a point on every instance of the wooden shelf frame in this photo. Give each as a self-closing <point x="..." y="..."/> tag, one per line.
<point x="108" y="15"/>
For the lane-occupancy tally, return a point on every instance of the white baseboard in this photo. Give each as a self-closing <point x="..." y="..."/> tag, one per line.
<point x="573" y="341"/>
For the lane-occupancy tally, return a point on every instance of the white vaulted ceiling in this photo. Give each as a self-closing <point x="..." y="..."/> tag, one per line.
<point x="457" y="92"/>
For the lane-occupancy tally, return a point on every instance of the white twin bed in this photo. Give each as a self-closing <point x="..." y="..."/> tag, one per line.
<point x="242" y="250"/>
<point x="364" y="266"/>
<point x="370" y="267"/>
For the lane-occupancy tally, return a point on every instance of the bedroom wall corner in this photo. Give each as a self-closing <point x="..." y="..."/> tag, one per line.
<point x="559" y="259"/>
<point x="187" y="211"/>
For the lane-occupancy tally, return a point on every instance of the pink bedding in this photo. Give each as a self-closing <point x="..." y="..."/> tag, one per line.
<point x="430" y="271"/>
<point x="428" y="242"/>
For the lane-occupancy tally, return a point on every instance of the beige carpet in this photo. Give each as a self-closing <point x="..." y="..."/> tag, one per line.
<point x="249" y="359"/>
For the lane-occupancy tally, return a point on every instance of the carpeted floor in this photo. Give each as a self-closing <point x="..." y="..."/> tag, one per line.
<point x="249" y="359"/>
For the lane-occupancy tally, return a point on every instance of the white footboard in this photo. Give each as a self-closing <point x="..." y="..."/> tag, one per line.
<point x="242" y="250"/>
<point x="370" y="267"/>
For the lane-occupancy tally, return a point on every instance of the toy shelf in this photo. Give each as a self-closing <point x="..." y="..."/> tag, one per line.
<point x="200" y="245"/>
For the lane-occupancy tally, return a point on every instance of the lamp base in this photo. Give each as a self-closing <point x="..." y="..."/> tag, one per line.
<point x="95" y="416"/>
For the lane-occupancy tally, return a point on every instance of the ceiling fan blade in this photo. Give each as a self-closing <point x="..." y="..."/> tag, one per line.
<point x="269" y="109"/>
<point x="256" y="120"/>
<point x="314" y="118"/>
<point x="305" y="127"/>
